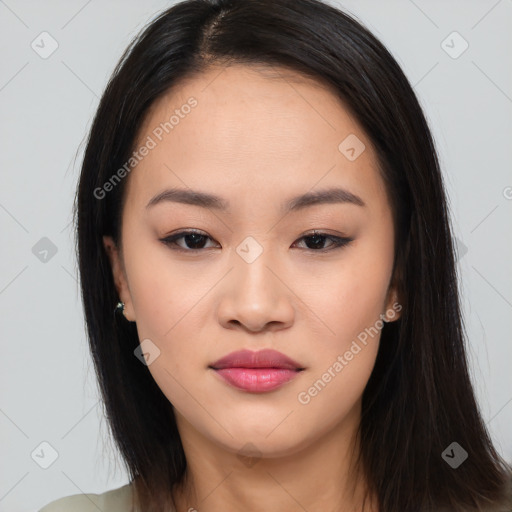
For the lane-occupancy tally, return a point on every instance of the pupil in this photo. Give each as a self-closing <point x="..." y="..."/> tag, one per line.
<point x="317" y="241"/>
<point x="195" y="237"/>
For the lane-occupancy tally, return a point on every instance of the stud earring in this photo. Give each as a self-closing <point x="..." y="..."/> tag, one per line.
<point x="119" y="308"/>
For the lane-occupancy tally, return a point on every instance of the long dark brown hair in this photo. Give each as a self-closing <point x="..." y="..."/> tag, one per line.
<point x="419" y="398"/>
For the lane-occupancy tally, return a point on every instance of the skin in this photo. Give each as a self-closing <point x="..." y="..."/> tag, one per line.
<point x="257" y="141"/>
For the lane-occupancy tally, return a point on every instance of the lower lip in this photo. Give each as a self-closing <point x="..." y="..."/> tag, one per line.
<point x="257" y="380"/>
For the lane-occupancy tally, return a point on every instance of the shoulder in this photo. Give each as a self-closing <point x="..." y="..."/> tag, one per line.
<point x="115" y="500"/>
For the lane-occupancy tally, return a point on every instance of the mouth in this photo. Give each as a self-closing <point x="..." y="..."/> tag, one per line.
<point x="256" y="372"/>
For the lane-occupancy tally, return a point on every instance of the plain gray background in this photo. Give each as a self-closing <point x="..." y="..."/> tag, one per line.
<point x="48" y="386"/>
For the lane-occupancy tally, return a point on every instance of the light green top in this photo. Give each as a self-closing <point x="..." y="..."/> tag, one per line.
<point x="115" y="500"/>
<point x="120" y="500"/>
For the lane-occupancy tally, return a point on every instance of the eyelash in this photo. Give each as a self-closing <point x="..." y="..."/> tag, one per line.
<point x="337" y="242"/>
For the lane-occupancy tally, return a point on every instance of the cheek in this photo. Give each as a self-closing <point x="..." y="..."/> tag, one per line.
<point x="353" y="298"/>
<point x="351" y="303"/>
<point x="171" y="307"/>
<point x="165" y="294"/>
<point x="341" y="369"/>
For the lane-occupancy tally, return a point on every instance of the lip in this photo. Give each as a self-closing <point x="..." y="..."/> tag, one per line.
<point x="256" y="372"/>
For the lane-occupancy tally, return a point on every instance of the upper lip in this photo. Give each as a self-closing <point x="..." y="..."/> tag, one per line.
<point x="266" y="358"/>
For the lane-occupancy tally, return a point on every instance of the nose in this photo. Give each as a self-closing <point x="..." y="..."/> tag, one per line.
<point x="256" y="297"/>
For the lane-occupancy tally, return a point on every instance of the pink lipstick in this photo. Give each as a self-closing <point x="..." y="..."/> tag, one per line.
<point x="256" y="372"/>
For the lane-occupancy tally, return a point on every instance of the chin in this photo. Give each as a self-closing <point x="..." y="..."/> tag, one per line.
<point x="260" y="441"/>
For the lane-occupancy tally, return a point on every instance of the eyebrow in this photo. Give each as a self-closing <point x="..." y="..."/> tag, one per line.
<point x="206" y="200"/>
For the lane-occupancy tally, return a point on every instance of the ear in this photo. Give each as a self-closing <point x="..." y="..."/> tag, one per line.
<point x="393" y="302"/>
<point x="119" y="276"/>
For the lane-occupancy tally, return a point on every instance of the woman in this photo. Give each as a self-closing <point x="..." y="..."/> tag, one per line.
<point x="261" y="204"/>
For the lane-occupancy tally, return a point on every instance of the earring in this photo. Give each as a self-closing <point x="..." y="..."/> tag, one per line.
<point x="119" y="308"/>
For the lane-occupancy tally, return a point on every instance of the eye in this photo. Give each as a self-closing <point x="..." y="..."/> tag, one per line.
<point x="195" y="241"/>
<point x="317" y="239"/>
<point x="195" y="238"/>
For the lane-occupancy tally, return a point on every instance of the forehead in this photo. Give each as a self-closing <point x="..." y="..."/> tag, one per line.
<point x="263" y="129"/>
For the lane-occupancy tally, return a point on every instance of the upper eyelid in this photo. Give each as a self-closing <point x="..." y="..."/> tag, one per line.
<point x="185" y="232"/>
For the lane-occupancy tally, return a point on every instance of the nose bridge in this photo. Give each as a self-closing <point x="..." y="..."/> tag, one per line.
<point x="255" y="296"/>
<point x="253" y="262"/>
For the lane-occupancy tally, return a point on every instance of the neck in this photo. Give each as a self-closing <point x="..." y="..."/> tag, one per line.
<point x="319" y="477"/>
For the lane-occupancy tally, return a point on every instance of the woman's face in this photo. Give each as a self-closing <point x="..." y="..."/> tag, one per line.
<point x="256" y="277"/>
